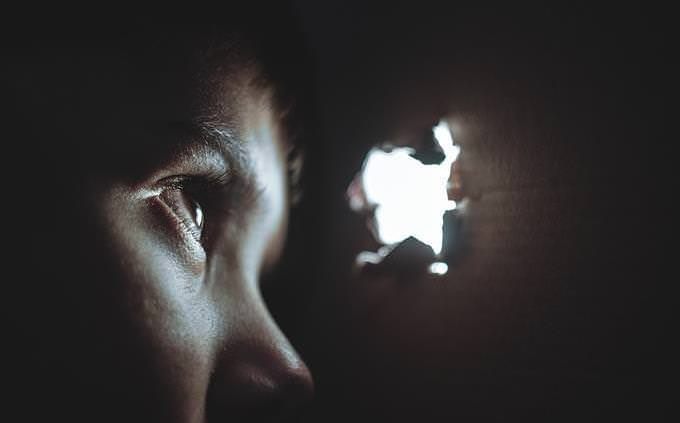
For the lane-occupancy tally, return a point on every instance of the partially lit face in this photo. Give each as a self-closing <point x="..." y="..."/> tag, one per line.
<point x="181" y="214"/>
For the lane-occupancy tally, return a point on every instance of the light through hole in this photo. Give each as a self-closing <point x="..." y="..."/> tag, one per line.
<point x="407" y="197"/>
<point x="438" y="268"/>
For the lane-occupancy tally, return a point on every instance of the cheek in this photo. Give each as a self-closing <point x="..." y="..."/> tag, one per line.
<point x="169" y="325"/>
<point x="267" y="226"/>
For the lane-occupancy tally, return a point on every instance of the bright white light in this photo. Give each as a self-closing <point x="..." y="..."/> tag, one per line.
<point x="368" y="257"/>
<point x="438" y="268"/>
<point x="410" y="198"/>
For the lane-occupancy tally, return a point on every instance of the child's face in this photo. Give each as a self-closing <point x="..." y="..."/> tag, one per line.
<point x="182" y="211"/>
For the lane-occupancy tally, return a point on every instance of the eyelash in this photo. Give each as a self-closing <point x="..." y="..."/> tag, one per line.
<point x="207" y="191"/>
<point x="211" y="191"/>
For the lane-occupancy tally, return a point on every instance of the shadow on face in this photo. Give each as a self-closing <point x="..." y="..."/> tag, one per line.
<point x="150" y="199"/>
<point x="158" y="191"/>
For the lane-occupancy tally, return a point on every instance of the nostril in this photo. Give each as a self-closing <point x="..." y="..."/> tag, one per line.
<point x="258" y="384"/>
<point x="289" y="394"/>
<point x="297" y="386"/>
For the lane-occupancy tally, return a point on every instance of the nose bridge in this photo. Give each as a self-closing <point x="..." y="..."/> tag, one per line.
<point x="258" y="373"/>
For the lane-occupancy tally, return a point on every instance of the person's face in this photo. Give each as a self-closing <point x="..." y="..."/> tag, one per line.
<point x="181" y="214"/>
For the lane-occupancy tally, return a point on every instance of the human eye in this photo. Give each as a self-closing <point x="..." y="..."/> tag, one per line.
<point x="184" y="204"/>
<point x="193" y="201"/>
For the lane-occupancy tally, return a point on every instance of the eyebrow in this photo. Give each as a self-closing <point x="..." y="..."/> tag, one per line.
<point x="200" y="137"/>
<point x="231" y="146"/>
<point x="210" y="137"/>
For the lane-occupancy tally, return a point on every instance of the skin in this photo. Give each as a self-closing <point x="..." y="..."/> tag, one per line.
<point x="541" y="317"/>
<point x="149" y="315"/>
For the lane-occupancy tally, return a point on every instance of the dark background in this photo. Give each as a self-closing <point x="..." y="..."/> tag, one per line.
<point x="558" y="305"/>
<point x="556" y="308"/>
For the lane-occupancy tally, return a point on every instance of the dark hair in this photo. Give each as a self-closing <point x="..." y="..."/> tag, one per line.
<point x="46" y="75"/>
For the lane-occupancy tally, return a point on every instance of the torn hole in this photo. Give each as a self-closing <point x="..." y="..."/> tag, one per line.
<point x="405" y="194"/>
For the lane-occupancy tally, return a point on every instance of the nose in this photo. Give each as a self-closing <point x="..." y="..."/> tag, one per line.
<point x="258" y="376"/>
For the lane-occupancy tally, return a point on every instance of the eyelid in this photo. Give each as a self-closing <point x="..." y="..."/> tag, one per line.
<point x="184" y="218"/>
<point x="191" y="248"/>
<point x="194" y="162"/>
<point x="198" y="182"/>
<point x="183" y="169"/>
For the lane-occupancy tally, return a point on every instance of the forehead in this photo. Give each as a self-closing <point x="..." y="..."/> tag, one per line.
<point x="175" y="79"/>
<point x="123" y="95"/>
